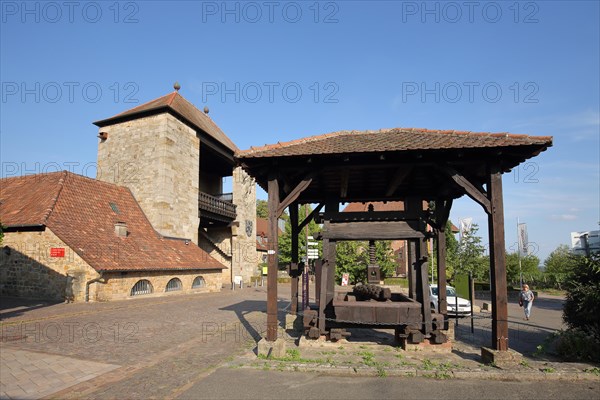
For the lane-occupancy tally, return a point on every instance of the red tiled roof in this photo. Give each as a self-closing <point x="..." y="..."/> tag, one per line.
<point x="396" y="139"/>
<point x="262" y="227"/>
<point x="176" y="103"/>
<point x="78" y="210"/>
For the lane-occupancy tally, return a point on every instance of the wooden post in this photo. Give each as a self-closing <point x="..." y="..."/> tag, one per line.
<point x="294" y="255"/>
<point x="497" y="261"/>
<point x="423" y="285"/>
<point x="273" y="259"/>
<point x="412" y="262"/>
<point x="322" y="288"/>
<point x="441" y="273"/>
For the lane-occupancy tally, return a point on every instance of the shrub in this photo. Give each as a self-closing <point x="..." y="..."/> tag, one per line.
<point x="576" y="345"/>
<point x="581" y="341"/>
<point x="582" y="305"/>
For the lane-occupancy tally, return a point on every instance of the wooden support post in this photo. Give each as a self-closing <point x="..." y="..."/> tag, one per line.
<point x="294" y="255"/>
<point x="423" y="286"/>
<point x="273" y="259"/>
<point x="322" y="288"/>
<point x="497" y="261"/>
<point x="412" y="264"/>
<point x="318" y="269"/>
<point x="441" y="273"/>
<point x="331" y="251"/>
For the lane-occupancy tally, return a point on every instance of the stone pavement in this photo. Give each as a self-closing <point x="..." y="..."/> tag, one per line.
<point x="163" y="347"/>
<point x="31" y="375"/>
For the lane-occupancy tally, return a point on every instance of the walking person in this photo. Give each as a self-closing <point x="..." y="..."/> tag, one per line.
<point x="526" y="300"/>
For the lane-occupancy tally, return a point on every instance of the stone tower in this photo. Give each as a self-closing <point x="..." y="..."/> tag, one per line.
<point x="174" y="158"/>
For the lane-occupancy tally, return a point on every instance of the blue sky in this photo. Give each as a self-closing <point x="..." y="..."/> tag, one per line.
<point x="276" y="71"/>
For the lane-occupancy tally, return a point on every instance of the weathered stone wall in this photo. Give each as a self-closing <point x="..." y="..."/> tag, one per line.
<point x="221" y="237"/>
<point x="158" y="159"/>
<point x="118" y="285"/>
<point x="27" y="270"/>
<point x="245" y="258"/>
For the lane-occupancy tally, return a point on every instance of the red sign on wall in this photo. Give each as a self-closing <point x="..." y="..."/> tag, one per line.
<point x="57" y="252"/>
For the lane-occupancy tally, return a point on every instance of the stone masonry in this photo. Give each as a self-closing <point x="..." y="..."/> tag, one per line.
<point x="28" y="270"/>
<point x="158" y="159"/>
<point x="118" y="284"/>
<point x="245" y="257"/>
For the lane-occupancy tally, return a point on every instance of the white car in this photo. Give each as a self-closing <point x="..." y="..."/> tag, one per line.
<point x="464" y="305"/>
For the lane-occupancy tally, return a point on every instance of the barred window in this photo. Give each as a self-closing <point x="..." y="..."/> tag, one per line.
<point x="199" y="282"/>
<point x="173" y="285"/>
<point x="142" y="286"/>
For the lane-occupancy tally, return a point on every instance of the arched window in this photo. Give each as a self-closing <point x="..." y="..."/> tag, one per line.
<point x="173" y="285"/>
<point x="143" y="286"/>
<point x="199" y="282"/>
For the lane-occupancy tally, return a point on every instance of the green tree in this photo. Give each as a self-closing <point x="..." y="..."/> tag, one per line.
<point x="558" y="265"/>
<point x="352" y="257"/>
<point x="529" y="268"/>
<point x="470" y="255"/>
<point x="451" y="251"/>
<point x="262" y="209"/>
<point x="285" y="240"/>
<point x="1" y="233"/>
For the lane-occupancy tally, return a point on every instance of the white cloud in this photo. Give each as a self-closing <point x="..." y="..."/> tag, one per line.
<point x="564" y="217"/>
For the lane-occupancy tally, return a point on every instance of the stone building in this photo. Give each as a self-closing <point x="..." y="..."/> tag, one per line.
<point x="174" y="159"/>
<point x="155" y="219"/>
<point x="70" y="236"/>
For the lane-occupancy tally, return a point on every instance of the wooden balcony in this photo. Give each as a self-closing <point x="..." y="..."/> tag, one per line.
<point x="216" y="208"/>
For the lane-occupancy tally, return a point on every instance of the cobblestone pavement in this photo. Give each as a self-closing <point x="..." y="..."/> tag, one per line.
<point x="159" y="345"/>
<point x="31" y="375"/>
<point x="163" y="347"/>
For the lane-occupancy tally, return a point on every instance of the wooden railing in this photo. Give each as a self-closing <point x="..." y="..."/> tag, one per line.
<point x="216" y="205"/>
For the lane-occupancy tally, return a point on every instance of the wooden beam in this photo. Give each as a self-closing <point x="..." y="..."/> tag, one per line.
<point x="442" y="212"/>
<point x="272" y="258"/>
<point x="345" y="175"/>
<point x="310" y="217"/>
<point x="293" y="195"/>
<point x="470" y="189"/>
<point x="497" y="262"/>
<point x="399" y="177"/>
<point x="375" y="230"/>
<point x="373" y="216"/>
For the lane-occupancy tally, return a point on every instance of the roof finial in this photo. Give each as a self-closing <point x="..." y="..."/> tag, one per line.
<point x="176" y="86"/>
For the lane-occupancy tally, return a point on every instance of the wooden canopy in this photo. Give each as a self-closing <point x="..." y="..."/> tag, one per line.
<point x="393" y="165"/>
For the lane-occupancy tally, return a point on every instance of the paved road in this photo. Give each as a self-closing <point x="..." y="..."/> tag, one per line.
<point x="253" y="384"/>
<point x="161" y="347"/>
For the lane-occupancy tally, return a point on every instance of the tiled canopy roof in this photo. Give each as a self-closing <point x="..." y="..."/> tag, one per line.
<point x="175" y="103"/>
<point x="388" y="140"/>
<point x="82" y="212"/>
